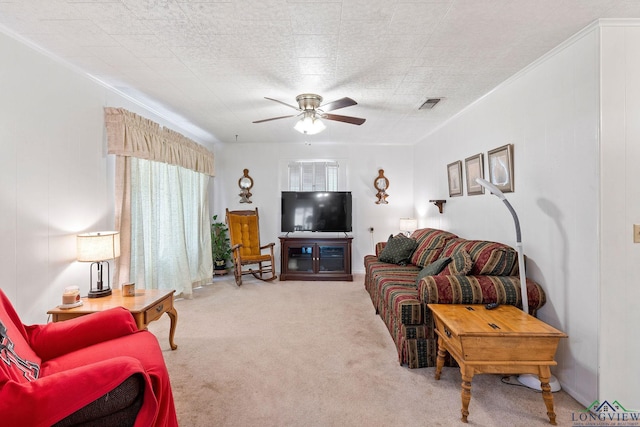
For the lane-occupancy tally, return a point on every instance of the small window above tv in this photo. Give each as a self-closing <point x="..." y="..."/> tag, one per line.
<point x="313" y="175"/>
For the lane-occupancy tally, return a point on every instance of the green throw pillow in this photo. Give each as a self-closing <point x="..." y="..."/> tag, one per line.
<point x="432" y="269"/>
<point x="398" y="249"/>
<point x="460" y="264"/>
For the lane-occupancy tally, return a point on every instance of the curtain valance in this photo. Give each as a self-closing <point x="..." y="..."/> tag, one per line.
<point x="131" y="135"/>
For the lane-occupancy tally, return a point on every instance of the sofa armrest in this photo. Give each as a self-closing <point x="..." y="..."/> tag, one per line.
<point x="51" y="398"/>
<point x="479" y="290"/>
<point x="379" y="247"/>
<point x="54" y="339"/>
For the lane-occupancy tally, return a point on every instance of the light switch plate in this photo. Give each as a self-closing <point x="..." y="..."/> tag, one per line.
<point x="636" y="233"/>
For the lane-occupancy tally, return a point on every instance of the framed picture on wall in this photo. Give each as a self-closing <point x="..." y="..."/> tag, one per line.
<point x="454" y="174"/>
<point x="501" y="167"/>
<point x="474" y="168"/>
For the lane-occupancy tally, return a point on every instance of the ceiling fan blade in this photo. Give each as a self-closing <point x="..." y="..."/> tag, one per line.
<point x="274" y="118"/>
<point x="338" y="103"/>
<point x="283" y="103"/>
<point x="345" y="119"/>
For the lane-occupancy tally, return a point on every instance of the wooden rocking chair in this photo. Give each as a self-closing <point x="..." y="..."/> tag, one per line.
<point x="244" y="232"/>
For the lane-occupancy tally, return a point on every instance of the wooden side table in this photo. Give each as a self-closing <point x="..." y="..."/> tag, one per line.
<point x="501" y="341"/>
<point x="146" y="306"/>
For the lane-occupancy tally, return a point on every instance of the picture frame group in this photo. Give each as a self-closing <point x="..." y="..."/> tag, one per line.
<point x="500" y="171"/>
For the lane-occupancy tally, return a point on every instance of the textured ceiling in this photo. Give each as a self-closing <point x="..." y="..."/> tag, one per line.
<point x="207" y="65"/>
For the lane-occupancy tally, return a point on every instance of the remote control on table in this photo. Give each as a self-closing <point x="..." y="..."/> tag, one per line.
<point x="491" y="305"/>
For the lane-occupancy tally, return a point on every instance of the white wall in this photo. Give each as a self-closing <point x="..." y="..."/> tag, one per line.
<point x="576" y="219"/>
<point x="620" y="209"/>
<point x="267" y="164"/>
<point x="56" y="179"/>
<point x="549" y="112"/>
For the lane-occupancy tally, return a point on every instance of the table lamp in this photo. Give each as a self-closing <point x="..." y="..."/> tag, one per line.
<point x="97" y="248"/>
<point x="408" y="225"/>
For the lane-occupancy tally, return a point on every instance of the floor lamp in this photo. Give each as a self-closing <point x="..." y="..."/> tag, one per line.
<point x="523" y="277"/>
<point x="528" y="380"/>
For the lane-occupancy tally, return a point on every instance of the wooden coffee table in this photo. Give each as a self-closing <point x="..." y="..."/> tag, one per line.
<point x="146" y="306"/>
<point x="501" y="341"/>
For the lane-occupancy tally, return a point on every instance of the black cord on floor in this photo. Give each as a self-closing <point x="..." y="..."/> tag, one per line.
<point x="508" y="380"/>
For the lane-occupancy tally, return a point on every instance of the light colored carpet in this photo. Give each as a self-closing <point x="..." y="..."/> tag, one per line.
<point x="315" y="354"/>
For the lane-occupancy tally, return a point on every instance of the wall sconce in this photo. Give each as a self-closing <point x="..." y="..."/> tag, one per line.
<point x="439" y="204"/>
<point x="97" y="248"/>
<point x="408" y="225"/>
<point x="381" y="183"/>
<point x="245" y="183"/>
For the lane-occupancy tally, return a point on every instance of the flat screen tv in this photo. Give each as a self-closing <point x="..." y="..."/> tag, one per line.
<point x="316" y="211"/>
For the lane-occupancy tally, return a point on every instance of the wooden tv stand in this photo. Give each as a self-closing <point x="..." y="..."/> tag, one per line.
<point x="315" y="258"/>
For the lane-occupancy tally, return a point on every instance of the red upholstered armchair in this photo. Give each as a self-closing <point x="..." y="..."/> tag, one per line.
<point x="97" y="369"/>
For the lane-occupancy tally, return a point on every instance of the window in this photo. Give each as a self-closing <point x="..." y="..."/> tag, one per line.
<point x="313" y="176"/>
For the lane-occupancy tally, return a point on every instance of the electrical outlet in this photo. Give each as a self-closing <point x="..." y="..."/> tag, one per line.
<point x="636" y="233"/>
<point x="370" y="229"/>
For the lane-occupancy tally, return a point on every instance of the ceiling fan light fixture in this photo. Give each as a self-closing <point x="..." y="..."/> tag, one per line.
<point x="309" y="124"/>
<point x="311" y="110"/>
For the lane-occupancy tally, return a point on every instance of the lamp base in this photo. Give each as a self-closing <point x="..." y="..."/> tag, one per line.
<point x="99" y="293"/>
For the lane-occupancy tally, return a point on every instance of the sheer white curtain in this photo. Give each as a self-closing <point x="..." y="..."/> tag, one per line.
<point x="170" y="239"/>
<point x="162" y="211"/>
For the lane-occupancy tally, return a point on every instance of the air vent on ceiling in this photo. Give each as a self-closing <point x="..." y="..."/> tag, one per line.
<point x="429" y="103"/>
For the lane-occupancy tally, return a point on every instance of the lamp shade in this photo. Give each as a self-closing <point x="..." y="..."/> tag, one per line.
<point x="98" y="246"/>
<point x="408" y="224"/>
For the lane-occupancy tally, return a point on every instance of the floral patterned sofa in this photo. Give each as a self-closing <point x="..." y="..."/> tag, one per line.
<point x="435" y="266"/>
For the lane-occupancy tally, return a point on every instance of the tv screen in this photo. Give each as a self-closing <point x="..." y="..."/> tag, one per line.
<point x="316" y="211"/>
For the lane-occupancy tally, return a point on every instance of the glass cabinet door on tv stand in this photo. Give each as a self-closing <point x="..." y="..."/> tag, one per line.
<point x="315" y="258"/>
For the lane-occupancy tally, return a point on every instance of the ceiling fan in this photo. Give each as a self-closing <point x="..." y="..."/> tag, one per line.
<point x="310" y="110"/>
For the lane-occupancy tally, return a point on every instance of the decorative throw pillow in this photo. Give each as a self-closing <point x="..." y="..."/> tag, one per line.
<point x="500" y="262"/>
<point x="432" y="269"/>
<point x="398" y="249"/>
<point x="460" y="264"/>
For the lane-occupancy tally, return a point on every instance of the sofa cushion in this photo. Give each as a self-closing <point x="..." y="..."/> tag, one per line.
<point x="374" y="268"/>
<point x="430" y="244"/>
<point x="399" y="302"/>
<point x="381" y="283"/>
<point x="434" y="268"/>
<point x="479" y="290"/>
<point x="489" y="258"/>
<point x="460" y="264"/>
<point x="398" y="249"/>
